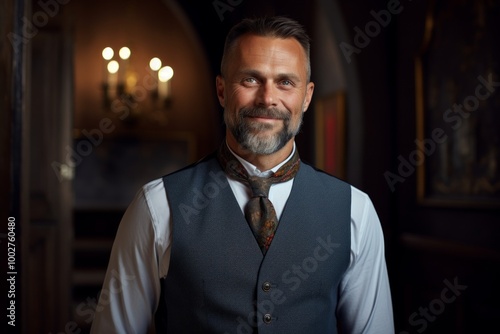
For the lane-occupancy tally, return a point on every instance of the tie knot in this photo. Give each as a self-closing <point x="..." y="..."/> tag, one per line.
<point x="260" y="186"/>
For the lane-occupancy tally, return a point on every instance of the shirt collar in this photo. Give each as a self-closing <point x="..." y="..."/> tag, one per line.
<point x="252" y="170"/>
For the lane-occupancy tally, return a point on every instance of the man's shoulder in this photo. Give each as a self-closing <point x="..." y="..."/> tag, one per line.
<point x="203" y="163"/>
<point x="155" y="186"/>
<point x="359" y="197"/>
<point x="322" y="175"/>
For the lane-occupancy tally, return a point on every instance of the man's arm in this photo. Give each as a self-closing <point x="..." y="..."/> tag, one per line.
<point x="131" y="287"/>
<point x="365" y="304"/>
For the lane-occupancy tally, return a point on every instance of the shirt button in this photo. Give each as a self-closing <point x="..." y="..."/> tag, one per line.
<point x="266" y="286"/>
<point x="267" y="318"/>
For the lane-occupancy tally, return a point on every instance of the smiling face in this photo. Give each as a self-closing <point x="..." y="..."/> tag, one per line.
<point x="264" y="92"/>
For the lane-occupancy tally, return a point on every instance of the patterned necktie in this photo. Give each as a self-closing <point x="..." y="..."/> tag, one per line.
<point x="259" y="211"/>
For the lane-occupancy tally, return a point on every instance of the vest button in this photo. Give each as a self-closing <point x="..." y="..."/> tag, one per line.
<point x="266" y="286"/>
<point x="267" y="318"/>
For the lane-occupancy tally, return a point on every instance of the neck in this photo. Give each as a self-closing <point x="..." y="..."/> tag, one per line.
<point x="261" y="161"/>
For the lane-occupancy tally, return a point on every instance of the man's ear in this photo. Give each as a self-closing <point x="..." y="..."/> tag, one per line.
<point x="309" y="94"/>
<point x="220" y="88"/>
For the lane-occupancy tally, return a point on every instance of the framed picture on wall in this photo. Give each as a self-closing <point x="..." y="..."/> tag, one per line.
<point x="330" y="127"/>
<point x="457" y="104"/>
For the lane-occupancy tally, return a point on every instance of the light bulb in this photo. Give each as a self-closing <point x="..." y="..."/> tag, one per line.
<point x="124" y="53"/>
<point x="113" y="66"/>
<point x="155" y="64"/>
<point x="108" y="53"/>
<point x="165" y="73"/>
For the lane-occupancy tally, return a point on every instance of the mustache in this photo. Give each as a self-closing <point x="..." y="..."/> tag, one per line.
<point x="265" y="112"/>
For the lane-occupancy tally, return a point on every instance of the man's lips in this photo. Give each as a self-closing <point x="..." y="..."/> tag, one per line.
<point x="264" y="117"/>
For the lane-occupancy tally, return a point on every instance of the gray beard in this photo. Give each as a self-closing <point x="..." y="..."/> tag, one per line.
<point x="248" y="135"/>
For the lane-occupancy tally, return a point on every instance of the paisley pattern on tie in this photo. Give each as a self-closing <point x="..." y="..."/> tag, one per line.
<point x="259" y="211"/>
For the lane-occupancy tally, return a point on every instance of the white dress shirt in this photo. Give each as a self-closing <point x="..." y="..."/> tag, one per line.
<point x="141" y="254"/>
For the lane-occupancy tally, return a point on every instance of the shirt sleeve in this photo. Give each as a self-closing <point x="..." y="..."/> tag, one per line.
<point x="131" y="288"/>
<point x="365" y="304"/>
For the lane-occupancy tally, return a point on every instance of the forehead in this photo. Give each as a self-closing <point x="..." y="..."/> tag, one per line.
<point x="270" y="52"/>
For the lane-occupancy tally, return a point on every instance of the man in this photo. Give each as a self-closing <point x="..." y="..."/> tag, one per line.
<point x="250" y="239"/>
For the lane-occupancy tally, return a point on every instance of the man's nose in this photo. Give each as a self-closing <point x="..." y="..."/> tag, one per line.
<point x="267" y="95"/>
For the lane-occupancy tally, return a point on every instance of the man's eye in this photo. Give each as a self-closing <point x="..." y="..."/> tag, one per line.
<point x="287" y="83"/>
<point x="250" y="80"/>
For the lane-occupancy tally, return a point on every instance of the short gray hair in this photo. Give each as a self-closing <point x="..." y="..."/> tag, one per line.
<point x="276" y="26"/>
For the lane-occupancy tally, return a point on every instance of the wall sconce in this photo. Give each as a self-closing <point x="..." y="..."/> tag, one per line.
<point x="119" y="82"/>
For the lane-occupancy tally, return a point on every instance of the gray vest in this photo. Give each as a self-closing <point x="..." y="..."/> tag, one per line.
<point x="219" y="281"/>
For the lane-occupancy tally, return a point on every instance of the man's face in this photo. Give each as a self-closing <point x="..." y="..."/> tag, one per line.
<point x="264" y="93"/>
